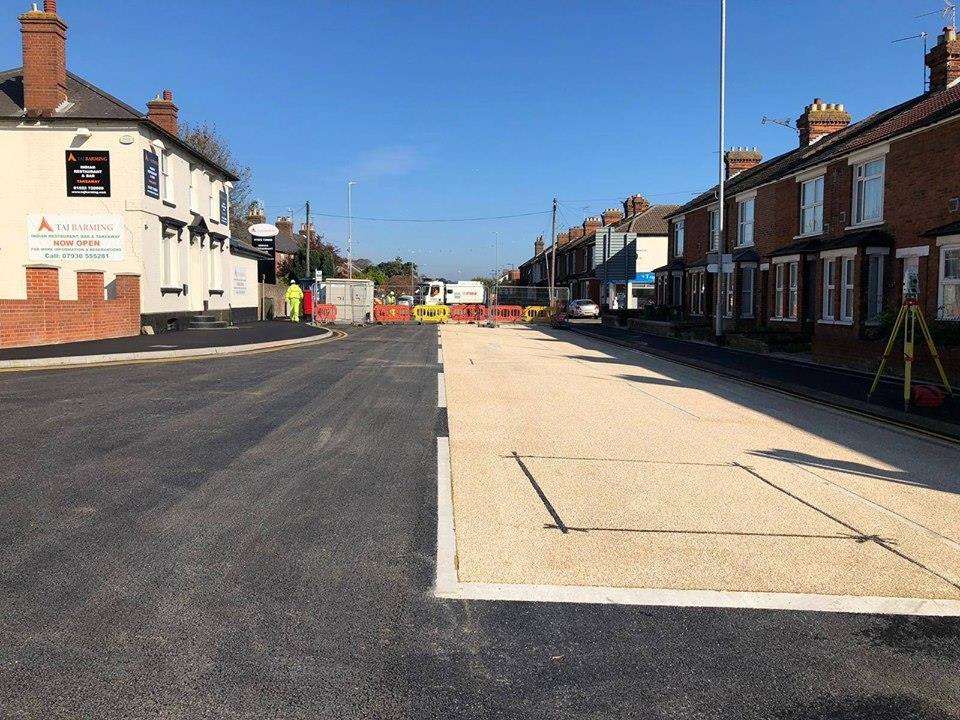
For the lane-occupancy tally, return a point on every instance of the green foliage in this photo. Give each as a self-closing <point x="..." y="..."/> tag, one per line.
<point x="398" y="266"/>
<point x="376" y="274"/>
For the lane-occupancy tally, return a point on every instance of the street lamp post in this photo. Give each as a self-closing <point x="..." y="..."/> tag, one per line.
<point x="718" y="325"/>
<point x="350" y="185"/>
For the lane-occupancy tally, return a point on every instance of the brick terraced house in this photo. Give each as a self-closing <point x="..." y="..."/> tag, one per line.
<point x="609" y="258"/>
<point x="820" y="242"/>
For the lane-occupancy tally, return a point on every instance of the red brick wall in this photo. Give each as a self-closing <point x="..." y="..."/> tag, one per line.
<point x="44" y="319"/>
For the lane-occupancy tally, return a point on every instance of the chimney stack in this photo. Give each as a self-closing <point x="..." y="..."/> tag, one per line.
<point x="740" y="158"/>
<point x="562" y="239"/>
<point x="44" y="37"/>
<point x="611" y="216"/>
<point x="591" y="224"/>
<point x="538" y="246"/>
<point x="575" y="233"/>
<point x="161" y="111"/>
<point x="820" y="119"/>
<point x="285" y="226"/>
<point x="944" y="60"/>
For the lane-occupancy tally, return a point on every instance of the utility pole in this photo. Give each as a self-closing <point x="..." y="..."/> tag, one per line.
<point x="553" y="252"/>
<point x="309" y="264"/>
<point x="350" y="185"/>
<point x="718" y="327"/>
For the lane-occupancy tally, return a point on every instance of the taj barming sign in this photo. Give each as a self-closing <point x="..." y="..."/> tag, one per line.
<point x="75" y="237"/>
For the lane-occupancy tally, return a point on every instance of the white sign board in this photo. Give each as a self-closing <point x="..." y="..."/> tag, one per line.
<point x="75" y="237"/>
<point x="239" y="280"/>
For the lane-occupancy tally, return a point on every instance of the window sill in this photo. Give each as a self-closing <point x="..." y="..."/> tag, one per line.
<point x="803" y="236"/>
<point x="784" y="319"/>
<point x="216" y="292"/>
<point x="172" y="290"/>
<point x="168" y="203"/>
<point x="823" y="321"/>
<point x="871" y="223"/>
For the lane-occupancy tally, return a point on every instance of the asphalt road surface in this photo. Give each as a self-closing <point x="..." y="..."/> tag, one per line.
<point x="254" y="537"/>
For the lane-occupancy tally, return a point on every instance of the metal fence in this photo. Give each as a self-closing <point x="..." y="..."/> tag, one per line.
<point x="529" y="295"/>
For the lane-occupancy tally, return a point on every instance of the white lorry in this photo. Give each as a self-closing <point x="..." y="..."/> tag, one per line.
<point x="465" y="292"/>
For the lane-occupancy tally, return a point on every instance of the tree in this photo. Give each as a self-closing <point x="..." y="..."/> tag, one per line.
<point x="398" y="266"/>
<point x="361" y="264"/>
<point x="323" y="256"/>
<point x="488" y="283"/>
<point x="376" y="274"/>
<point x="207" y="141"/>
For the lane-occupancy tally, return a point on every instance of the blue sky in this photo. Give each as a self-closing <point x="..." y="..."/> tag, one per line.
<point x="457" y="109"/>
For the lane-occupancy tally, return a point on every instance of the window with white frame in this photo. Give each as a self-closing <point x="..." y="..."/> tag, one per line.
<point x="714" y="229"/>
<point x="846" y="289"/>
<point x="697" y="292"/>
<point x="868" y="192"/>
<point x="216" y="276"/>
<point x="745" y="212"/>
<point x="949" y="294"/>
<point x="590" y="257"/>
<point x="778" y="291"/>
<point x="194" y="194"/>
<point x="166" y="176"/>
<point x="214" y="205"/>
<point x="678" y="230"/>
<point x="747" y="278"/>
<point x="811" y="206"/>
<point x="792" y="295"/>
<point x="726" y="293"/>
<point x="829" y="289"/>
<point x="170" y="265"/>
<point x="874" y="287"/>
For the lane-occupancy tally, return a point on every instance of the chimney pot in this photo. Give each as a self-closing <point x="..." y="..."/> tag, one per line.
<point x="162" y="111"/>
<point x="50" y="6"/>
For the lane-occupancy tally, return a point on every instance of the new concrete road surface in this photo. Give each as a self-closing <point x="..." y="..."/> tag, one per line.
<point x="256" y="536"/>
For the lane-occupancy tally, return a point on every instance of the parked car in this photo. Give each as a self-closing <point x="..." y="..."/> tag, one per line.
<point x="583" y="309"/>
<point x="407" y="300"/>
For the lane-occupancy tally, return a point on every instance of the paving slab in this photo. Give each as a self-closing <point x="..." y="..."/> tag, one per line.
<point x="577" y="463"/>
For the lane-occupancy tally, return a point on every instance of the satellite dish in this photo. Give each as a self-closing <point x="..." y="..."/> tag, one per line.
<point x="263" y="230"/>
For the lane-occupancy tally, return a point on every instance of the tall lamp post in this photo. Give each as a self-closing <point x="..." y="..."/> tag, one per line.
<point x="718" y="325"/>
<point x="350" y="184"/>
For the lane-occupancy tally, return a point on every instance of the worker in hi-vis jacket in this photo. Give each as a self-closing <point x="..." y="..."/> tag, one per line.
<point x="294" y="299"/>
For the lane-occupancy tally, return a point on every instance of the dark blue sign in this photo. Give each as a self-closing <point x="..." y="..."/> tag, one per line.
<point x="224" y="217"/>
<point x="151" y="175"/>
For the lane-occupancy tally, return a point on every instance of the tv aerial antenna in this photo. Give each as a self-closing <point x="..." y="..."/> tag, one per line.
<point x="923" y="60"/>
<point x="948" y="13"/>
<point x="783" y="122"/>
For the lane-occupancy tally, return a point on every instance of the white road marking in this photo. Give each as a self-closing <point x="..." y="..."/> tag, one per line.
<point x="441" y="391"/>
<point x="700" y="598"/>
<point x="447" y="581"/>
<point x="439" y="355"/>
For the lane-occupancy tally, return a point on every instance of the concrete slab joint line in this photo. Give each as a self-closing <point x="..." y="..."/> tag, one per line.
<point x="151" y="356"/>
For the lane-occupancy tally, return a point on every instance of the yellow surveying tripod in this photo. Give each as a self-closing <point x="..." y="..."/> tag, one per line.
<point x="909" y="317"/>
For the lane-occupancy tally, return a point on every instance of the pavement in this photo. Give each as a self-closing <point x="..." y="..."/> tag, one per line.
<point x="841" y="386"/>
<point x="649" y="474"/>
<point x="249" y="333"/>
<point x="256" y="538"/>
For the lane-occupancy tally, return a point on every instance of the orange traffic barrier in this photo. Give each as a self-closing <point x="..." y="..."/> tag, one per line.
<point x="326" y="313"/>
<point x="391" y="313"/>
<point x="508" y="313"/>
<point x="468" y="313"/>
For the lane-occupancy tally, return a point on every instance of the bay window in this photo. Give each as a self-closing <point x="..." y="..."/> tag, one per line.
<point x="714" y="229"/>
<point x="949" y="294"/>
<point x="846" y="289"/>
<point x="874" y="287"/>
<point x="778" y="292"/>
<point x="868" y="192"/>
<point x="811" y="206"/>
<point x="726" y="293"/>
<point x="793" y="290"/>
<point x="745" y="211"/>
<point x="829" y="289"/>
<point x="746" y="292"/>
